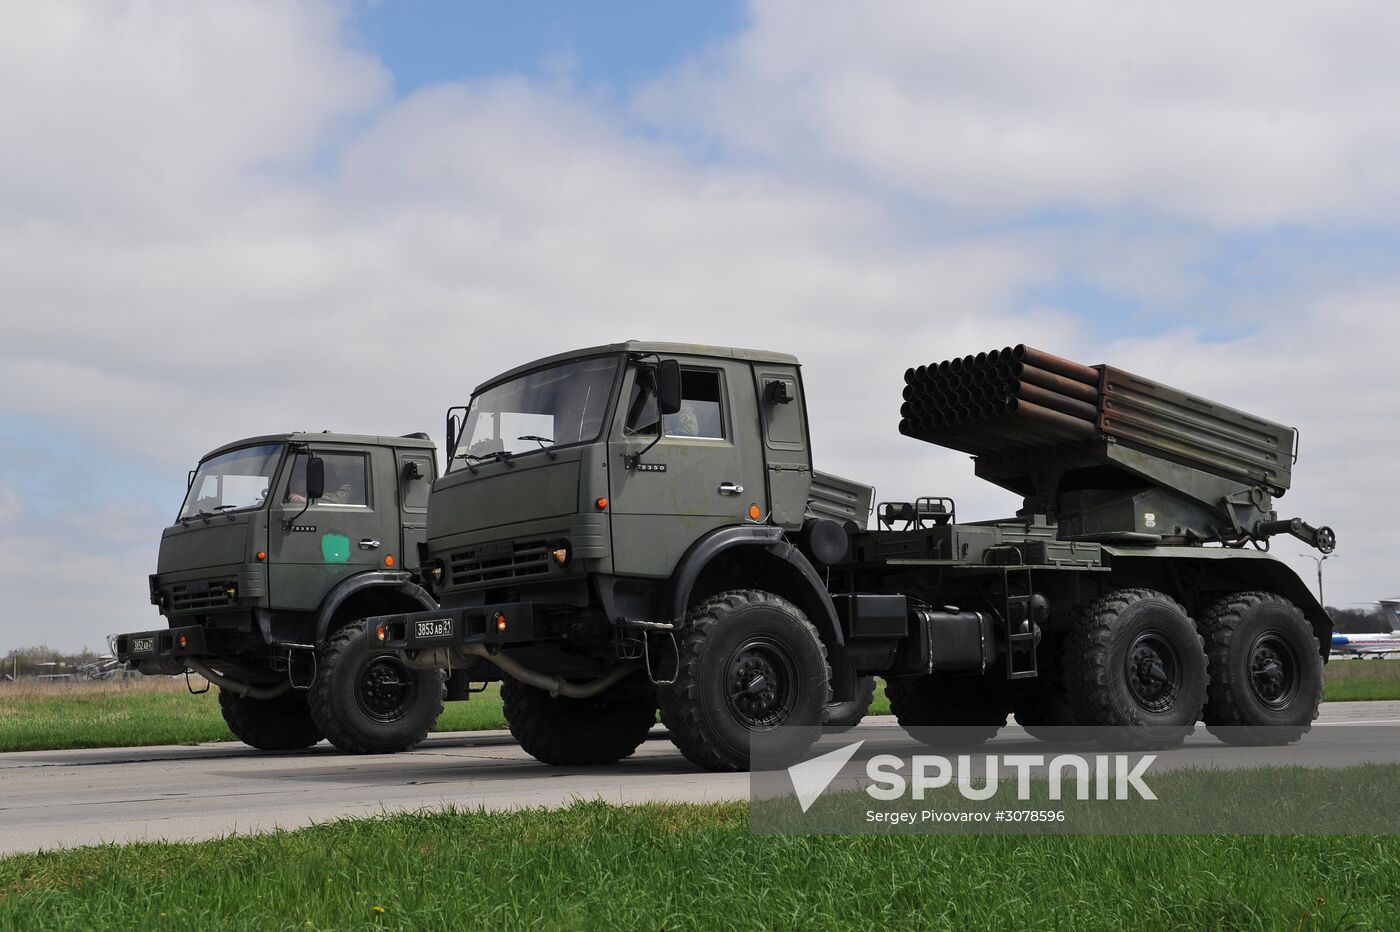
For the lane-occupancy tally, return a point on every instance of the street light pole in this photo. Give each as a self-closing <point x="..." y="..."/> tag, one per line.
<point x="1320" y="560"/>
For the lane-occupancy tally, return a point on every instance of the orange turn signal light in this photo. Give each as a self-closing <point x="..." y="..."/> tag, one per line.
<point x="262" y="555"/>
<point x="389" y="559"/>
<point x="380" y="633"/>
<point x="500" y="622"/>
<point x="754" y="513"/>
<point x="601" y="503"/>
<point x="184" y="641"/>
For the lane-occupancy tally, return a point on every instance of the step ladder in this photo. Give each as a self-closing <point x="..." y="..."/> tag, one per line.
<point x="1022" y="633"/>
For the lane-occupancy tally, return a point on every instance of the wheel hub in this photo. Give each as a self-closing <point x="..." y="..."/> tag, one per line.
<point x="760" y="684"/>
<point x="384" y="690"/>
<point x="1273" y="671"/>
<point x="1154" y="672"/>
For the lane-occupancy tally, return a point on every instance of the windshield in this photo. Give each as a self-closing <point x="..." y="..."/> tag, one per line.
<point x="233" y="480"/>
<point x="552" y="407"/>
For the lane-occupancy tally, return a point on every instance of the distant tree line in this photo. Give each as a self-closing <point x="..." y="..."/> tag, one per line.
<point x="1360" y="619"/>
<point x="42" y="660"/>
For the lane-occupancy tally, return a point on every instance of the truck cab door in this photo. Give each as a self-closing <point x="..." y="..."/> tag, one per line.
<point x="704" y="471"/>
<point x="354" y="527"/>
<point x="787" y="452"/>
<point x="414" y="477"/>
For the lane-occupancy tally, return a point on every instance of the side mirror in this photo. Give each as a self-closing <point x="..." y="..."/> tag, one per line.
<point x="668" y="387"/>
<point x="315" y="478"/>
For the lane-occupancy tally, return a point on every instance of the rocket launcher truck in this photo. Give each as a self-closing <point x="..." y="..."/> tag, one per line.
<point x="642" y="525"/>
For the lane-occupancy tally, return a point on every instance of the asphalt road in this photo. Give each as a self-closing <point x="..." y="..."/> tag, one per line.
<point x="57" y="799"/>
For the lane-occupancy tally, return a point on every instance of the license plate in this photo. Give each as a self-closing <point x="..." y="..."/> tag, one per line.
<point x="497" y="551"/>
<point x="143" y="645"/>
<point x="433" y="628"/>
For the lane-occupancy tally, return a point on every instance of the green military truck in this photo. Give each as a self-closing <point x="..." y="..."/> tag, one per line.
<point x="641" y="525"/>
<point x="283" y="544"/>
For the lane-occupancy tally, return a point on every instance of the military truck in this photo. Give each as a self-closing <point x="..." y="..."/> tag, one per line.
<point x="640" y="525"/>
<point x="283" y="544"/>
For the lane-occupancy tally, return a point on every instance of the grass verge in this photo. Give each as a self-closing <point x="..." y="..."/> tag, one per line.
<point x="1351" y="680"/>
<point x="698" y="867"/>
<point x="155" y="710"/>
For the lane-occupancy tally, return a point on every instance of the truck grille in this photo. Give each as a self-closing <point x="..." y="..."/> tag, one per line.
<point x="505" y="560"/>
<point x="200" y="594"/>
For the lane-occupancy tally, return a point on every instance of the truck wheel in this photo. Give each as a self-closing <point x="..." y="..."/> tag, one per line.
<point x="843" y="716"/>
<point x="750" y="664"/>
<point x="572" y="732"/>
<point x="1135" y="669"/>
<point x="1047" y="715"/>
<point x="943" y="711"/>
<point x="366" y="701"/>
<point x="1265" y="670"/>
<point x="280" y="724"/>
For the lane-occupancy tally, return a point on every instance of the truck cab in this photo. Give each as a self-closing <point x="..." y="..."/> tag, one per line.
<point x="281" y="541"/>
<point x="566" y="471"/>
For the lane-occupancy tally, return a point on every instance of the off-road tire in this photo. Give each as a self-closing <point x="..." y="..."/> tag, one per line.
<point x="279" y="724"/>
<point x="729" y="637"/>
<point x="1265" y="670"/>
<point x="1047" y="715"/>
<point x="1159" y="704"/>
<point x="843" y="716"/>
<point x="365" y="701"/>
<point x="564" y="732"/>
<point x="949" y="711"/>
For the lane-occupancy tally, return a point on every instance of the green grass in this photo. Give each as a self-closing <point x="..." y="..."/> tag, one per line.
<point x="596" y="866"/>
<point x="1351" y="680"/>
<point x="880" y="705"/>
<point x="155" y="711"/>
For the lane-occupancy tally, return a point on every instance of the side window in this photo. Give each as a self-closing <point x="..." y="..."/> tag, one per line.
<point x="345" y="480"/>
<point x="700" y="414"/>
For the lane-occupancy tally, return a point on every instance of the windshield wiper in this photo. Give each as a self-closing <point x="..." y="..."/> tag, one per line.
<point x="470" y="459"/>
<point x="227" y="508"/>
<point x="541" y="441"/>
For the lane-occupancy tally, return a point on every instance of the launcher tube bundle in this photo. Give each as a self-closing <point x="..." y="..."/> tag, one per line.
<point x="1078" y="441"/>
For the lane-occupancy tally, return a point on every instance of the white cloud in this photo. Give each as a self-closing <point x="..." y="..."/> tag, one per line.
<point x="1234" y="114"/>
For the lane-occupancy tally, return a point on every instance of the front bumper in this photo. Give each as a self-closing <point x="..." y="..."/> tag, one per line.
<point x="505" y="623"/>
<point x="160" y="653"/>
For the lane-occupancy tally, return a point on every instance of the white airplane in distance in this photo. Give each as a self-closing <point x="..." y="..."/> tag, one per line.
<point x="1371" y="644"/>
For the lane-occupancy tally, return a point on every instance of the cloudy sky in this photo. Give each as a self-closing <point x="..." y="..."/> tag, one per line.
<point x="220" y="219"/>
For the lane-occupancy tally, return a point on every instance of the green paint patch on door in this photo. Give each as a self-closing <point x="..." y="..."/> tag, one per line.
<point x="335" y="548"/>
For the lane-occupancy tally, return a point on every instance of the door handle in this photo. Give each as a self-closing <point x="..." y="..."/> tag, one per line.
<point x="730" y="488"/>
<point x="368" y="544"/>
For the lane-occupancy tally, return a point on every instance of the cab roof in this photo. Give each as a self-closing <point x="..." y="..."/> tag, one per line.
<point x="412" y="441"/>
<point x="647" y="346"/>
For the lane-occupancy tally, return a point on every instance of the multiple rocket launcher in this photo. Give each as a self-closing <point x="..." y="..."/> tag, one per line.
<point x="1001" y="400"/>
<point x="1018" y="400"/>
<point x="1114" y="455"/>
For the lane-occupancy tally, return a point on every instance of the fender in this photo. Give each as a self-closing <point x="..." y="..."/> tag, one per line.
<point x="398" y="581"/>
<point x="1243" y="569"/>
<point x="772" y="540"/>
